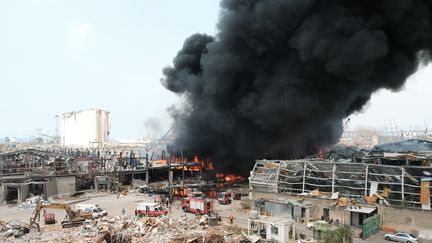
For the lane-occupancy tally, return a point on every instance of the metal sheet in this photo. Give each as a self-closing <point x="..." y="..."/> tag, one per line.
<point x="366" y="210"/>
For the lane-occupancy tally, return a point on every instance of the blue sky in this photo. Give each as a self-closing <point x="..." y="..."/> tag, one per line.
<point x="58" y="56"/>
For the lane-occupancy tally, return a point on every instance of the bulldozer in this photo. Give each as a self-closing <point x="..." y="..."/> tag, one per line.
<point x="73" y="218"/>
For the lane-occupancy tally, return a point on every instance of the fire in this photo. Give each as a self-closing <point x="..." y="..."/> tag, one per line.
<point x="210" y="166"/>
<point x="205" y="164"/>
<point x="161" y="162"/>
<point x="229" y="178"/>
<point x="233" y="178"/>
<point x="321" y="154"/>
<point x="178" y="160"/>
<point x="192" y="168"/>
<point x="180" y="192"/>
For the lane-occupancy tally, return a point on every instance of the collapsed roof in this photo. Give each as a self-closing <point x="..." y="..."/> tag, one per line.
<point x="352" y="180"/>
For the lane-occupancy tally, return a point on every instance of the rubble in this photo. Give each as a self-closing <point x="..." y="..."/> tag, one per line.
<point x="215" y="238"/>
<point x="34" y="201"/>
<point x="14" y="228"/>
<point x="146" y="229"/>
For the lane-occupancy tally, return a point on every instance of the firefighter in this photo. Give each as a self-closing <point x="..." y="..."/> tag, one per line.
<point x="231" y="219"/>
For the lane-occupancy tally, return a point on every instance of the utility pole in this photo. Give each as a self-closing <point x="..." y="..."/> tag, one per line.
<point x="57" y="135"/>
<point x="147" y="170"/>
<point x="183" y="168"/>
<point x="169" y="173"/>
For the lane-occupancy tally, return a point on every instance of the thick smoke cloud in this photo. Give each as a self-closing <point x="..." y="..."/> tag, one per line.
<point x="280" y="75"/>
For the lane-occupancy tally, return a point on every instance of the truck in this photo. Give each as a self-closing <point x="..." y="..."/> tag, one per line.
<point x="150" y="209"/>
<point x="224" y="197"/>
<point x="197" y="204"/>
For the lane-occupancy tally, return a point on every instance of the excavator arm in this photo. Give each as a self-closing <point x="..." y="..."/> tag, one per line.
<point x="74" y="217"/>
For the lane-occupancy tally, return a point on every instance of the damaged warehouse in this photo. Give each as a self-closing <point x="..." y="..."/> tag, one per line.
<point x="30" y="172"/>
<point x="34" y="172"/>
<point x="344" y="192"/>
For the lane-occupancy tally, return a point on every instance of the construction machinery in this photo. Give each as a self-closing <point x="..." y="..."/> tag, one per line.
<point x="73" y="218"/>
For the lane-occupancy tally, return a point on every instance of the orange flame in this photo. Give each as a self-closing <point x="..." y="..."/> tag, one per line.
<point x="210" y="166"/>
<point x="161" y="162"/>
<point x="192" y="168"/>
<point x="180" y="192"/>
<point x="229" y="178"/>
<point x="233" y="178"/>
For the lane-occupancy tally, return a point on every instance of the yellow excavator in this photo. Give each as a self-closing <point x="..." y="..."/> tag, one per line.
<point x="73" y="218"/>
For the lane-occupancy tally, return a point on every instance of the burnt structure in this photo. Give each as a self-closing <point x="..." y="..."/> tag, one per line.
<point x="36" y="172"/>
<point x="354" y="193"/>
<point x="348" y="179"/>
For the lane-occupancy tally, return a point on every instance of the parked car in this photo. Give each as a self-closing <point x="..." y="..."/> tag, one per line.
<point x="310" y="224"/>
<point x="401" y="237"/>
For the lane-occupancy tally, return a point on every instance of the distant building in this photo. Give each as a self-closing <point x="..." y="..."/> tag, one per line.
<point x="86" y="128"/>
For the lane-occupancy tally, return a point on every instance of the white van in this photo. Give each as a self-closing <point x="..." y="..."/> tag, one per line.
<point x="94" y="209"/>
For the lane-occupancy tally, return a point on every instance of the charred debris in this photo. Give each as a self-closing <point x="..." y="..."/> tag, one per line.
<point x="28" y="172"/>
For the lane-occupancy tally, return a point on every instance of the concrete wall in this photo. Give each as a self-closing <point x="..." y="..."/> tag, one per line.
<point x="277" y="208"/>
<point x="23" y="192"/>
<point x="66" y="184"/>
<point x="339" y="213"/>
<point x="405" y="218"/>
<point x="316" y="208"/>
<point x="51" y="188"/>
<point x="393" y="217"/>
<point x="2" y="193"/>
<point x="283" y="233"/>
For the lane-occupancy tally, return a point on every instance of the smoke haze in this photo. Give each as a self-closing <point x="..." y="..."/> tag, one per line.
<point x="280" y="75"/>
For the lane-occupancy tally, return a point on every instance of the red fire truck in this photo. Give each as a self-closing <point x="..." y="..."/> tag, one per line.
<point x="224" y="197"/>
<point x="198" y="205"/>
<point x="150" y="209"/>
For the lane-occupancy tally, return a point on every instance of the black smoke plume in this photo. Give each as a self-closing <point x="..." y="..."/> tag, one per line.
<point x="280" y="75"/>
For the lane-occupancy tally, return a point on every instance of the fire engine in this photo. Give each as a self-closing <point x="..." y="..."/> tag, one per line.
<point x="224" y="198"/>
<point x="150" y="209"/>
<point x="197" y="205"/>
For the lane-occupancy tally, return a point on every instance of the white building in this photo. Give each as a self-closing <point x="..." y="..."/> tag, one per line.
<point x="272" y="228"/>
<point x="86" y="128"/>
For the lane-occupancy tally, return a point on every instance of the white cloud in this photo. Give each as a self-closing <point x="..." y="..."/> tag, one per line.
<point x="79" y="34"/>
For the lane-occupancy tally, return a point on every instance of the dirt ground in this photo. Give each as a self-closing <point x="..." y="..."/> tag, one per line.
<point x="112" y="203"/>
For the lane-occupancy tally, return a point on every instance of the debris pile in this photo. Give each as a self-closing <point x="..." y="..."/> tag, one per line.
<point x="33" y="201"/>
<point x="150" y="229"/>
<point x="13" y="228"/>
